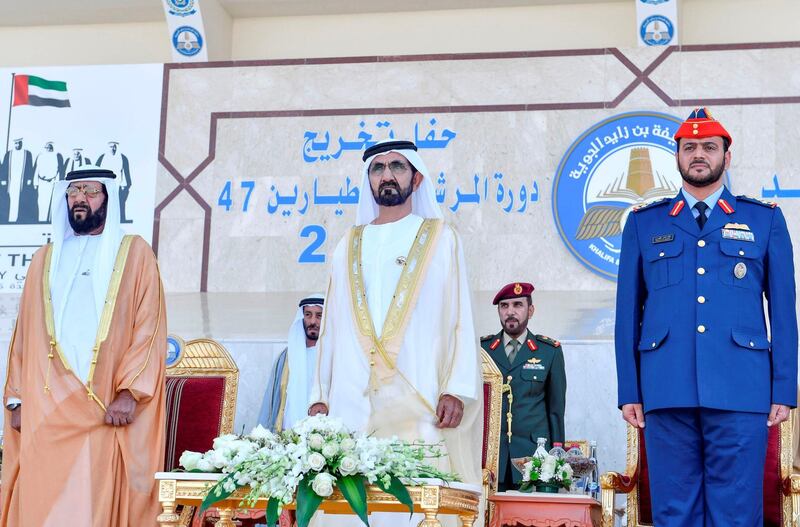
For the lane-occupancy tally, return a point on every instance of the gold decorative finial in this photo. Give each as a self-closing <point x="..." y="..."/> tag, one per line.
<point x="510" y="397"/>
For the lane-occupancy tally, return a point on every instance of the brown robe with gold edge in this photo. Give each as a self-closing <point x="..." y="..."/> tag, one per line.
<point x="66" y="466"/>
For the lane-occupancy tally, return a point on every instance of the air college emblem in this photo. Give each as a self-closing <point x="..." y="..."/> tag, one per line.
<point x="617" y="164"/>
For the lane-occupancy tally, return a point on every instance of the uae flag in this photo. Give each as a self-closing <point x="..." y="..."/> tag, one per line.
<point x="36" y="91"/>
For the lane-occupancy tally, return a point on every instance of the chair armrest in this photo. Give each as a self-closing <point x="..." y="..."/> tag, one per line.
<point x="622" y="483"/>
<point x="791" y="485"/>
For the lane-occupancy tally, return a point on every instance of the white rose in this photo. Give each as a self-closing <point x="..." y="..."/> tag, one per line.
<point x="223" y="441"/>
<point x="316" y="441"/>
<point x="205" y="465"/>
<point x="323" y="484"/>
<point x="348" y="466"/>
<point x="549" y="464"/>
<point x="316" y="461"/>
<point x="189" y="460"/>
<point x="526" y="475"/>
<point x="347" y="444"/>
<point x="330" y="450"/>
<point x="259" y="432"/>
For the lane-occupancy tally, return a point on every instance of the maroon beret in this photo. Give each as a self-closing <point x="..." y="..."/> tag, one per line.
<point x="513" y="290"/>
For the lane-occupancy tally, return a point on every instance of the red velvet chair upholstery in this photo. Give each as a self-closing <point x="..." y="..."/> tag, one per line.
<point x="781" y="489"/>
<point x="492" y="414"/>
<point x="201" y="400"/>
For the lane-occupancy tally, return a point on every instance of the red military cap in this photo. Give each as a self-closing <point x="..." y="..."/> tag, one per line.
<point x="513" y="290"/>
<point x="701" y="124"/>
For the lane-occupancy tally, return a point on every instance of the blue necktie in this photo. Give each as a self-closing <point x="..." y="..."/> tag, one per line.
<point x="701" y="208"/>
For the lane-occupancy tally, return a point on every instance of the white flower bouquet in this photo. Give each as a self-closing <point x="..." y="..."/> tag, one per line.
<point x="546" y="473"/>
<point x="307" y="462"/>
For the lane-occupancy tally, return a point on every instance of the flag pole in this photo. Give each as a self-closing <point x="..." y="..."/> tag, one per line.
<point x="10" y="104"/>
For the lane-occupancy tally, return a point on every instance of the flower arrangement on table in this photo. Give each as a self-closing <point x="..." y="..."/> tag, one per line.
<point x="546" y="474"/>
<point x="304" y="464"/>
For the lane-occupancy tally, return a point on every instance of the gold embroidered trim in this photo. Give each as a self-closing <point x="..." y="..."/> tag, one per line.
<point x="105" y="317"/>
<point x="322" y="326"/>
<point x="49" y="320"/>
<point x="8" y="359"/>
<point x="155" y="331"/>
<point x="405" y="296"/>
<point x="284" y="385"/>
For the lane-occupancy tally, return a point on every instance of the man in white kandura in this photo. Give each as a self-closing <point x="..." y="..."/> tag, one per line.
<point x="397" y="348"/>
<point x="286" y="398"/>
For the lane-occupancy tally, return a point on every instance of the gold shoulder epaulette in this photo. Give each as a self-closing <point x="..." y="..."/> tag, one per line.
<point x="759" y="201"/>
<point x="548" y="340"/>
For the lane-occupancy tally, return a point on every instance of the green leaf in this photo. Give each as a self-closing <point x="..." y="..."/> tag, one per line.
<point x="355" y="493"/>
<point x="217" y="493"/>
<point x="399" y="491"/>
<point x="272" y="512"/>
<point x="307" y="501"/>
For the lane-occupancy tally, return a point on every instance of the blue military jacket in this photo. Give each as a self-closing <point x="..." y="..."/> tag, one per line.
<point x="691" y="329"/>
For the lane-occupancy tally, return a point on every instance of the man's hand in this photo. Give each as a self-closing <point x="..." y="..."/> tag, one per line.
<point x="120" y="411"/>
<point x="778" y="413"/>
<point x="318" y="408"/>
<point x="449" y="411"/>
<point x="633" y="414"/>
<point x="16" y="418"/>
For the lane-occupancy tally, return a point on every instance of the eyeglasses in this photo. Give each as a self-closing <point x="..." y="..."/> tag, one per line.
<point x="396" y="167"/>
<point x="86" y="190"/>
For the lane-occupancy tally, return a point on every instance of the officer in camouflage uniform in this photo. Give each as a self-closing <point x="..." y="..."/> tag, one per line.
<point x="535" y="364"/>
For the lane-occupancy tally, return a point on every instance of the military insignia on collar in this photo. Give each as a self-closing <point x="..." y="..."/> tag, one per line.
<point x="663" y="238"/>
<point x="532" y="345"/>
<point x="735" y="234"/>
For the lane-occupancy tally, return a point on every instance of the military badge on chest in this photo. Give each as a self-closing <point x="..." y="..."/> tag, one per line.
<point x="533" y="364"/>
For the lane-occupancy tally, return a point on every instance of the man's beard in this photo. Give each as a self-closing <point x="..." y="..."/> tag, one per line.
<point x="386" y="198"/>
<point x="91" y="221"/>
<point x="703" y="181"/>
<point x="312" y="332"/>
<point x="518" y="327"/>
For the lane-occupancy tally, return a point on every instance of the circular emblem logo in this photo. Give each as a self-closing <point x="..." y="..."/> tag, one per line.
<point x="174" y="349"/>
<point x="181" y="7"/>
<point x="187" y="41"/>
<point x="617" y="164"/>
<point x="656" y="30"/>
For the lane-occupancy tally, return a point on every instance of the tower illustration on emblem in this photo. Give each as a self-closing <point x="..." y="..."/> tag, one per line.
<point x="636" y="187"/>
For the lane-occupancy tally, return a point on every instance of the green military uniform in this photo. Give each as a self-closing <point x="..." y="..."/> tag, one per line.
<point x="539" y="386"/>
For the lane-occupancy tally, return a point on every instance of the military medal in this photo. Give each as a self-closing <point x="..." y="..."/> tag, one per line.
<point x="740" y="270"/>
<point x="736" y="234"/>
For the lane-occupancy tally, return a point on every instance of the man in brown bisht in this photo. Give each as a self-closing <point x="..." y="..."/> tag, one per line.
<point x="84" y="396"/>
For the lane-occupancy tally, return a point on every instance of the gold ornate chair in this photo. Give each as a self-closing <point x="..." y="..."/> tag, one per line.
<point x="781" y="487"/>
<point x="492" y="413"/>
<point x="201" y="385"/>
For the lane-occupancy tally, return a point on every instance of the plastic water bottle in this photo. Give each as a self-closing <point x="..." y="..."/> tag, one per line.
<point x="593" y="481"/>
<point x="558" y="451"/>
<point x="540" y="450"/>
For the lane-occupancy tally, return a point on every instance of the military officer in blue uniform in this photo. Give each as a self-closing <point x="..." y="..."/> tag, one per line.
<point x="535" y="366"/>
<point x="694" y="359"/>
